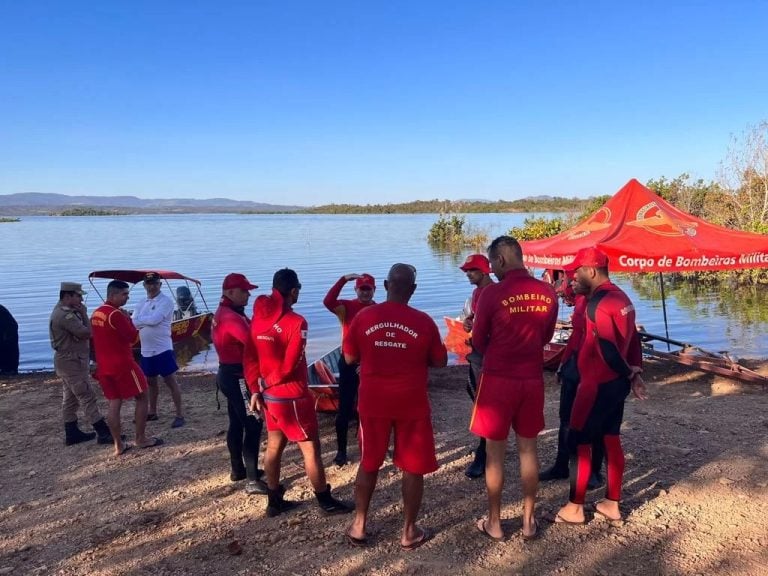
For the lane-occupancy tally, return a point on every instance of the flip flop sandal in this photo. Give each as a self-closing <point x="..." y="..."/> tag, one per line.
<point x="483" y="529"/>
<point x="426" y="536"/>
<point x="125" y="449"/>
<point x="359" y="542"/>
<point x="535" y="535"/>
<point x="604" y="515"/>
<point x="154" y="441"/>
<point x="560" y="520"/>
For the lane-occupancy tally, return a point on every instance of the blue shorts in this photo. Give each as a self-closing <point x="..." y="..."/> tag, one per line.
<point x="161" y="365"/>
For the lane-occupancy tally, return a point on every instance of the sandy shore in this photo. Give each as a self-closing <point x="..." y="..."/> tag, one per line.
<point x="696" y="494"/>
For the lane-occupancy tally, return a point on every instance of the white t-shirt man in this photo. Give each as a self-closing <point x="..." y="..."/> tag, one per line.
<point x="153" y="318"/>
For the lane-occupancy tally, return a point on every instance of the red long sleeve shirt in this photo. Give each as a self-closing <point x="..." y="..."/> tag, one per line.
<point x="113" y="338"/>
<point x="611" y="345"/>
<point x="230" y="332"/>
<point x="514" y="319"/>
<point x="346" y="310"/>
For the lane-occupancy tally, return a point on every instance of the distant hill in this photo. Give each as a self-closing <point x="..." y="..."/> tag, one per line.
<point x="39" y="203"/>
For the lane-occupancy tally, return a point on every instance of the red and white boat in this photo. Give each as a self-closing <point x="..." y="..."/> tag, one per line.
<point x="187" y="322"/>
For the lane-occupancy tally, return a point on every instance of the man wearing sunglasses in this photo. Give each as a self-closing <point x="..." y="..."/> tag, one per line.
<point x="346" y="310"/>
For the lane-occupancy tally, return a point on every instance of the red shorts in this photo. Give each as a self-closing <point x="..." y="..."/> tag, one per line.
<point x="125" y="385"/>
<point x="414" y="444"/>
<point x="296" y="419"/>
<point x="503" y="402"/>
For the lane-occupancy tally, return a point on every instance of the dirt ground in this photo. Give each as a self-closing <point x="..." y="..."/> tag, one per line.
<point x="696" y="494"/>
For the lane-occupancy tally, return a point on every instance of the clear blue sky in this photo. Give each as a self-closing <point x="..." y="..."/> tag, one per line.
<point x="316" y="102"/>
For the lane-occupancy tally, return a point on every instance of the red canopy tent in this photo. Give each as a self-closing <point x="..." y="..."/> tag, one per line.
<point x="642" y="232"/>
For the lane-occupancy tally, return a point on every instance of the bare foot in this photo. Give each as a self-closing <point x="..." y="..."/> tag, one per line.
<point x="151" y="442"/>
<point x="570" y="514"/>
<point x="532" y="531"/>
<point x="483" y="526"/>
<point x="422" y="536"/>
<point x="608" y="509"/>
<point x="357" y="532"/>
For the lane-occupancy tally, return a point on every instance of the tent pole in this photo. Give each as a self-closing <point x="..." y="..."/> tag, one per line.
<point x="664" y="308"/>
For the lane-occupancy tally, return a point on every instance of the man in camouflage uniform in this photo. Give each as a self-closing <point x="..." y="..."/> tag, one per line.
<point x="70" y="333"/>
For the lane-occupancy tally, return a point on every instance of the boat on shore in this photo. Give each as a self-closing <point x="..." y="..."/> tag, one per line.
<point x="456" y="341"/>
<point x="692" y="356"/>
<point x="188" y="321"/>
<point x="324" y="381"/>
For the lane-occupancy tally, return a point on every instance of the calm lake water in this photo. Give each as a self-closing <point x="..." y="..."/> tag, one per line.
<point x="39" y="252"/>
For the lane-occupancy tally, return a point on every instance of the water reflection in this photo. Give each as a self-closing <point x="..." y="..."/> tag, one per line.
<point x="744" y="304"/>
<point x="192" y="352"/>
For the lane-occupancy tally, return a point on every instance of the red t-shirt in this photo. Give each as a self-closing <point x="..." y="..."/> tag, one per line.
<point x="230" y="332"/>
<point x="346" y="310"/>
<point x="514" y="319"/>
<point x="113" y="338"/>
<point x="278" y="356"/>
<point x="476" y="296"/>
<point x="396" y="344"/>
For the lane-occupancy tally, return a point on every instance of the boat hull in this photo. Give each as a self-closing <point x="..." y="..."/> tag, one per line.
<point x="192" y="326"/>
<point x="323" y="376"/>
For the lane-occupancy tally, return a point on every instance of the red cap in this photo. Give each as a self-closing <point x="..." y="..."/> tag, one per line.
<point x="236" y="280"/>
<point x="476" y="262"/>
<point x="365" y="280"/>
<point x="591" y="257"/>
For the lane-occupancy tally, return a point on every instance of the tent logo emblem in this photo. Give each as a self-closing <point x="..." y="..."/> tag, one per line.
<point x="600" y="220"/>
<point x="653" y="219"/>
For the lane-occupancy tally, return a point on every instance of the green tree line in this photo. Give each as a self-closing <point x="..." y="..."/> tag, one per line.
<point x="541" y="204"/>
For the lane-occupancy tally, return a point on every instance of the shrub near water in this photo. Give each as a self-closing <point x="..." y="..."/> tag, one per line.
<point x="452" y="232"/>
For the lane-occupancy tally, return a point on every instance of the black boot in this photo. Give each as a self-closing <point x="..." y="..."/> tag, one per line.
<point x="238" y="468"/>
<point x="330" y="505"/>
<point x="559" y="470"/>
<point x="595" y="481"/>
<point x="275" y="503"/>
<point x="73" y="434"/>
<point x="342" y="426"/>
<point x="257" y="486"/>
<point x="596" y="478"/>
<point x="341" y="459"/>
<point x="103" y="435"/>
<point x="477" y="468"/>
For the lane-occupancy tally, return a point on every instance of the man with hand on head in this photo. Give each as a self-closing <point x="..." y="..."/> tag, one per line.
<point x="153" y="317"/>
<point x="395" y="345"/>
<point x="346" y="310"/>
<point x="514" y="320"/>
<point x="118" y="374"/>
<point x="276" y="371"/>
<point x="609" y="363"/>
<point x="69" y="330"/>
<point x="478" y="271"/>
<point x="231" y="332"/>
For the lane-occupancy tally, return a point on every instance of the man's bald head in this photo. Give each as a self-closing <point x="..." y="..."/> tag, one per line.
<point x="400" y="283"/>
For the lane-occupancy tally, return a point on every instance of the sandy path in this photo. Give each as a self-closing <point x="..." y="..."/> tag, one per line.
<point x="696" y="494"/>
